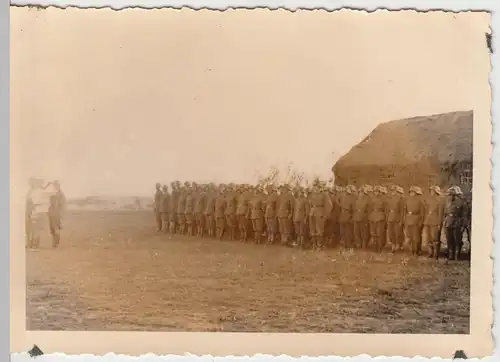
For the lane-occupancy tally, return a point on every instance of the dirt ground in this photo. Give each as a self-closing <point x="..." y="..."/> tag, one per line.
<point x="114" y="272"/>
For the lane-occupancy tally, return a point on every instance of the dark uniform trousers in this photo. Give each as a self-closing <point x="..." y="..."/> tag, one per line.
<point x="157" y="209"/>
<point x="395" y="234"/>
<point x="453" y="223"/>
<point x="413" y="210"/>
<point x="158" y="218"/>
<point x="346" y="233"/>
<point x="361" y="233"/>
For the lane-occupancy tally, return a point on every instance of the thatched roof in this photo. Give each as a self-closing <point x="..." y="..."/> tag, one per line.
<point x="444" y="138"/>
<point x="410" y="151"/>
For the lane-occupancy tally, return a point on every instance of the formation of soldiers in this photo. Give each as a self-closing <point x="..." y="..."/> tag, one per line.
<point x="368" y="217"/>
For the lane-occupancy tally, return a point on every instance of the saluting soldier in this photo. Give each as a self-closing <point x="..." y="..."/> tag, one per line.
<point x="433" y="219"/>
<point x="378" y="216"/>
<point x="165" y="208"/>
<point x="285" y="213"/>
<point x="157" y="206"/>
<point x="453" y="222"/>
<point x="271" y="214"/>
<point x="220" y="212"/>
<point x="301" y="216"/>
<point x="413" y="218"/>
<point x="199" y="210"/>
<point x="346" y="206"/>
<point x="360" y="217"/>
<point x="257" y="214"/>
<point x="210" y="210"/>
<point x="395" y="213"/>
<point x="172" y="207"/>
<point x="231" y="205"/>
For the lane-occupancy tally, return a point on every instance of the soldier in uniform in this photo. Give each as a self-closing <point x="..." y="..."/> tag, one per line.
<point x="395" y="209"/>
<point x="360" y="218"/>
<point x="231" y="205"/>
<point x="199" y="210"/>
<point x="468" y="219"/>
<point x="301" y="216"/>
<point x="210" y="210"/>
<point x="378" y="217"/>
<point x="165" y="208"/>
<point x="257" y="214"/>
<point x="172" y="207"/>
<point x="189" y="208"/>
<point x="29" y="213"/>
<point x="220" y="212"/>
<point x="346" y="209"/>
<point x="242" y="213"/>
<point x="433" y="219"/>
<point x="321" y="206"/>
<point x="333" y="219"/>
<point x="413" y="217"/>
<point x="181" y="207"/>
<point x="285" y="213"/>
<point x="271" y="214"/>
<point x="453" y="222"/>
<point x="157" y="206"/>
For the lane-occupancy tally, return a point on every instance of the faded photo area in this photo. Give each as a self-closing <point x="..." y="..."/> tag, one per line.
<point x="251" y="171"/>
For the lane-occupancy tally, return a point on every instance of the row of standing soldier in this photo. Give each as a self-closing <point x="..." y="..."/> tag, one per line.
<point x="318" y="217"/>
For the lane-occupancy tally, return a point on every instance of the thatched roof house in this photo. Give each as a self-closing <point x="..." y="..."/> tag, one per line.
<point x="422" y="150"/>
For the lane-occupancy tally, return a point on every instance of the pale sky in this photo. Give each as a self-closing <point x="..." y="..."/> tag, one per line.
<point x="110" y="102"/>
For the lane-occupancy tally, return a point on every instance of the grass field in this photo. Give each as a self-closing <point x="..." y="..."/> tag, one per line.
<point x="114" y="272"/>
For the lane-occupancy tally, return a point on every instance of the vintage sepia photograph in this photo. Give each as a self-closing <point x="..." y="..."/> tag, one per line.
<point x="252" y="171"/>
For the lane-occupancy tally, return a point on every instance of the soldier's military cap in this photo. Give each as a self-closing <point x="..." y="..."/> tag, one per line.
<point x="454" y="190"/>
<point x="436" y="189"/>
<point x="416" y="190"/>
